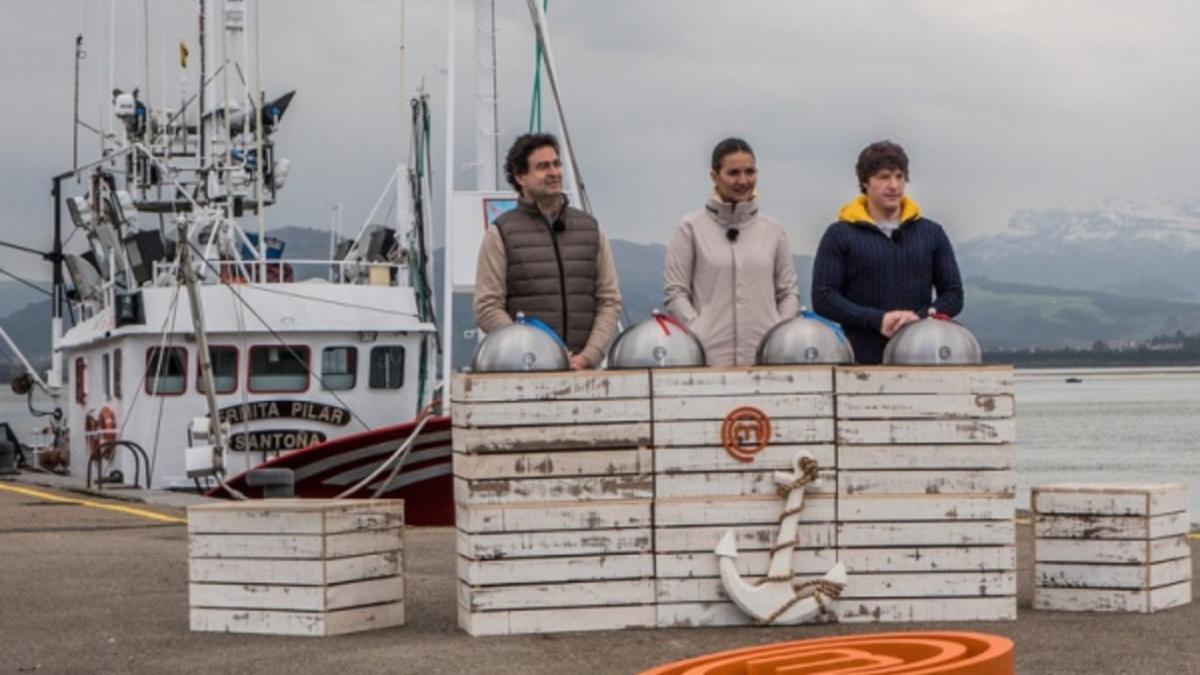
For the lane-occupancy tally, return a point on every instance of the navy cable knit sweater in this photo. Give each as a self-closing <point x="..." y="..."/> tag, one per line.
<point x="860" y="274"/>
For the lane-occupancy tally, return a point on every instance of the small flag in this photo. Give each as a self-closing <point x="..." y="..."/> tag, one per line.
<point x="183" y="54"/>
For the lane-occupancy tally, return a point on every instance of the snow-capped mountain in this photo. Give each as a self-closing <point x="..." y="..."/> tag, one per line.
<point x="1115" y="246"/>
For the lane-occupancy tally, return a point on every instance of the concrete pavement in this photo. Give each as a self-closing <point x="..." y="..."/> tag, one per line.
<point x="92" y="590"/>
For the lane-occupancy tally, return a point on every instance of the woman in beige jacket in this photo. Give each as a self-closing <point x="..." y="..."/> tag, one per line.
<point x="729" y="272"/>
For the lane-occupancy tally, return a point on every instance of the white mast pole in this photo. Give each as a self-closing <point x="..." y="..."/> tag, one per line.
<point x="256" y="108"/>
<point x="448" y="210"/>
<point x="571" y="167"/>
<point x="487" y="127"/>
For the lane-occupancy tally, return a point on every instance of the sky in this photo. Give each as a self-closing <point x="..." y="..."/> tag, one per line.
<point x="1001" y="104"/>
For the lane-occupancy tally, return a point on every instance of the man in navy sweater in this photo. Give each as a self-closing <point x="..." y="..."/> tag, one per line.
<point x="878" y="266"/>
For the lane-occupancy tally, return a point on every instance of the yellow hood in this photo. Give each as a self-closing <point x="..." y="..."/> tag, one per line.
<point x="855" y="211"/>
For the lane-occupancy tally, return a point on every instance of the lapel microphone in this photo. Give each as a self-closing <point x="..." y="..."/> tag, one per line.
<point x="731" y="233"/>
<point x="896" y="236"/>
<point x="559" y="226"/>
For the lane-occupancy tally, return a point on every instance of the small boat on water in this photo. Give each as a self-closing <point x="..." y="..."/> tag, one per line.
<point x="1074" y="380"/>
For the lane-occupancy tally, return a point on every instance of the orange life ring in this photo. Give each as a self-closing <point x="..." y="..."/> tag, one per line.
<point x="101" y="431"/>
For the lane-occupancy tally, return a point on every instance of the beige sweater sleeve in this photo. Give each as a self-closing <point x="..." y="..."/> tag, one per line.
<point x="677" y="274"/>
<point x="608" y="306"/>
<point x="787" y="292"/>
<point x="491" y="284"/>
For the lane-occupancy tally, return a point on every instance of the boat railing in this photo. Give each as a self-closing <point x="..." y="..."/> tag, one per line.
<point x="287" y="270"/>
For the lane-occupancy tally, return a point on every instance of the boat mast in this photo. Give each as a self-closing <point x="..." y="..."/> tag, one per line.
<point x="448" y="209"/>
<point x="487" y="101"/>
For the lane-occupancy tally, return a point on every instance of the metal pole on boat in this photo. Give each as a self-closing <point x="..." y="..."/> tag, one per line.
<point x="487" y="115"/>
<point x="79" y="56"/>
<point x="206" y="372"/>
<point x="448" y="210"/>
<point x="543" y="36"/>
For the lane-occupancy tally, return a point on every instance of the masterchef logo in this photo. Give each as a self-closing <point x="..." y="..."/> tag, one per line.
<point x="745" y="432"/>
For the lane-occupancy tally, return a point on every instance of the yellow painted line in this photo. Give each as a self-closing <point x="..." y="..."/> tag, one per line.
<point x="94" y="505"/>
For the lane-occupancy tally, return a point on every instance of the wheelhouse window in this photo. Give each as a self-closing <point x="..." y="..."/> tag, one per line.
<point x="80" y="381"/>
<point x="117" y="373"/>
<point x="166" y="371"/>
<point x="278" y="369"/>
<point x="106" y="375"/>
<point x="339" y="368"/>
<point x="387" y="367"/>
<point x="225" y="370"/>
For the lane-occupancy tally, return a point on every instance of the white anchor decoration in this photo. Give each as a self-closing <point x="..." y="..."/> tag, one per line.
<point x="776" y="600"/>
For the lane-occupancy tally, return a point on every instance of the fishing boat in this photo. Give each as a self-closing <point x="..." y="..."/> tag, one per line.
<point x="184" y="309"/>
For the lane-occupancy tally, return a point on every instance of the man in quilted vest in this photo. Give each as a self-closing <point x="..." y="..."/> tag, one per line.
<point x="548" y="259"/>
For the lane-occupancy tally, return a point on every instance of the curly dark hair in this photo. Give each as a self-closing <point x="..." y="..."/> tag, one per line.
<point x="728" y="147"/>
<point x="877" y="157"/>
<point x="517" y="161"/>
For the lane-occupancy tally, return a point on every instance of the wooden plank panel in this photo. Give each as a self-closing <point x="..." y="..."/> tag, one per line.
<point x="929" y="559"/>
<point x="296" y="516"/>
<point x="1060" y="575"/>
<point x="552" y="570"/>
<point x="728" y="484"/>
<point x="774" y="457"/>
<point x="1111" y="527"/>
<point x="296" y="572"/>
<point x="726" y="382"/>
<point x="479" y="624"/>
<point x="308" y="624"/>
<point x="1110" y="500"/>
<point x="775" y="406"/>
<point x="924" y="380"/>
<point x="294" y="546"/>
<point x="738" y="510"/>
<point x="926" y="482"/>
<point x="880" y="610"/>
<point x="552" y="595"/>
<point x="953" y="533"/>
<point x="706" y="564"/>
<point x="533" y="439"/>
<point x="924" y="507"/>
<point x="785" y="431"/>
<point x="297" y="598"/>
<point x="880" y="457"/>
<point x="550" y="413"/>
<point x="580" y="488"/>
<point x="554" y="464"/>
<point x="875" y="432"/>
<point x="1112" y="600"/>
<point x="543" y="544"/>
<point x="748" y="537"/>
<point x="912" y="585"/>
<point x="578" y="515"/>
<point x="924" y="406"/>
<point x="1111" y="551"/>
<point x="596" y="385"/>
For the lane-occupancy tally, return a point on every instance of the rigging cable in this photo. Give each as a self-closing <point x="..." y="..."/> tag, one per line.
<point x="279" y="338"/>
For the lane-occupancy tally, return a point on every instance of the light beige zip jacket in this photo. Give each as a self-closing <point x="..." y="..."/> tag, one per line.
<point x="729" y="293"/>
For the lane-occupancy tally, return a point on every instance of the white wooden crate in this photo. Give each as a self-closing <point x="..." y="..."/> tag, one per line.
<point x="296" y="567"/>
<point x="701" y="490"/>
<point x="926" y="493"/>
<point x="553" y="494"/>
<point x="1111" y="548"/>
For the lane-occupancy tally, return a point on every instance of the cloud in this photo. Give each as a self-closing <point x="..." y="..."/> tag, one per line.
<point x="1002" y="105"/>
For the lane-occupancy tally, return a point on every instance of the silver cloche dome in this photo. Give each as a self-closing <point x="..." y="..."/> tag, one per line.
<point x="807" y="338"/>
<point x="525" y="345"/>
<point x="933" y="341"/>
<point x="657" y="342"/>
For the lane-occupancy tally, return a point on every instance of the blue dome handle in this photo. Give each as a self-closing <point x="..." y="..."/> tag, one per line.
<point x="832" y="325"/>
<point x="540" y="325"/>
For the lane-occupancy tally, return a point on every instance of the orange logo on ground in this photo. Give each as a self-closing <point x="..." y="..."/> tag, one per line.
<point x="893" y="653"/>
<point x="745" y="432"/>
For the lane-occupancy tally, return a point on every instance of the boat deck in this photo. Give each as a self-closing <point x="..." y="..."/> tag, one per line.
<point x="101" y="587"/>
